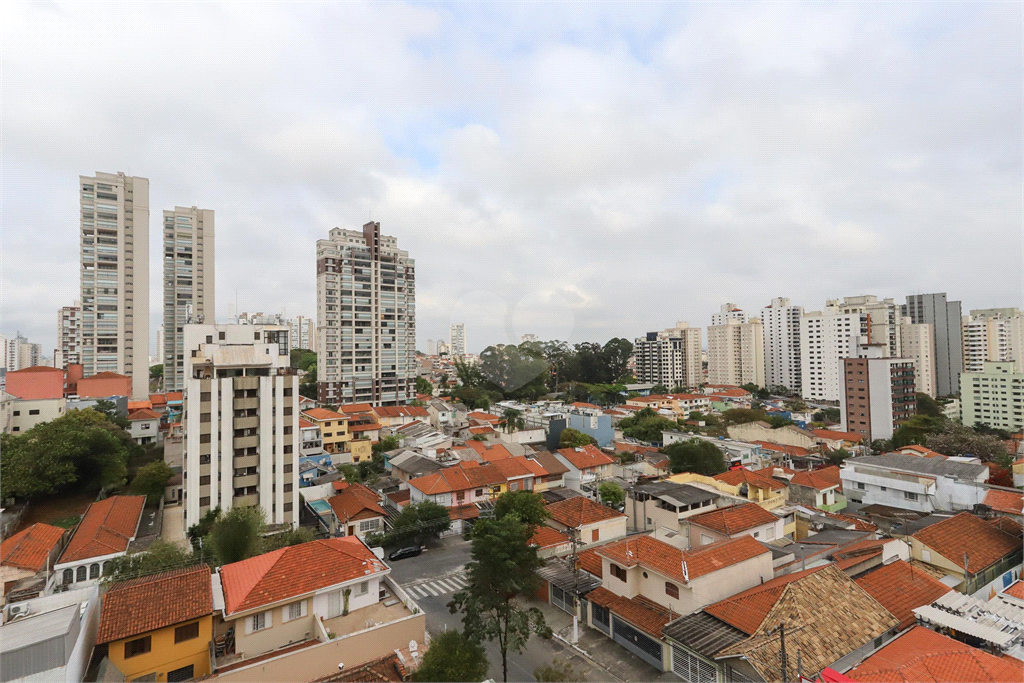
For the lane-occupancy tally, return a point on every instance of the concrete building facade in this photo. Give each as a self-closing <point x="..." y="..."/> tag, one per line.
<point x="241" y="421"/>
<point x="736" y="352"/>
<point x="993" y="397"/>
<point x="366" y="318"/>
<point x="69" y="336"/>
<point x="781" y="331"/>
<point x="945" y="318"/>
<point x="188" y="238"/>
<point x="884" y="319"/>
<point x="457" y="339"/>
<point x="671" y="357"/>
<point x="114" y="231"/>
<point x="303" y="331"/>
<point x="726" y="313"/>
<point x="825" y="339"/>
<point x="878" y="395"/>
<point x="918" y="344"/>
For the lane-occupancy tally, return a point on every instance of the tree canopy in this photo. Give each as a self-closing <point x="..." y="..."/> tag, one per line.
<point x="527" y="505"/>
<point x="956" y="439"/>
<point x="646" y="425"/>
<point x="453" y="657"/>
<point x="611" y="494"/>
<point x="572" y="438"/>
<point x="418" y="522"/>
<point x="695" y="455"/>
<point x="736" y="416"/>
<point x="423" y="386"/>
<point x="151" y="481"/>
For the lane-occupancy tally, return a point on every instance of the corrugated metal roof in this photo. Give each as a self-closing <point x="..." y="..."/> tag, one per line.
<point x="703" y="633"/>
<point x="919" y="465"/>
<point x="38" y="628"/>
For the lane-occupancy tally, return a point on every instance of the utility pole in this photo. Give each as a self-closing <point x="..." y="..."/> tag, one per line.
<point x="799" y="667"/>
<point x="574" y="538"/>
<point x="782" y="639"/>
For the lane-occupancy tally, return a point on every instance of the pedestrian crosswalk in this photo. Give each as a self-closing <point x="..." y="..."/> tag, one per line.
<point x="436" y="587"/>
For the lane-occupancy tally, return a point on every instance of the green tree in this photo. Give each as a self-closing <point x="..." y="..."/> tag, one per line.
<point x="737" y="416"/>
<point x="572" y="438"/>
<point x="156" y="371"/>
<point x="527" y="505"/>
<point x="648" y="429"/>
<point x="695" y="455"/>
<point x="659" y="389"/>
<point x="513" y="420"/>
<point x="777" y="421"/>
<point x="956" y="439"/>
<point x="385" y="444"/>
<point x="916" y="430"/>
<point x="423" y="386"/>
<point x="110" y="411"/>
<point x="160" y="556"/>
<point x="286" y="538"/>
<point x="453" y="657"/>
<point x="928" y="406"/>
<point x="503" y="567"/>
<point x="611" y="494"/>
<point x="558" y="671"/>
<point x="826" y="415"/>
<point x="795" y="405"/>
<point x="151" y="481"/>
<point x="419" y="522"/>
<point x="837" y="457"/>
<point x="350" y="472"/>
<point x="201" y="529"/>
<point x="882" y="446"/>
<point x="237" y="535"/>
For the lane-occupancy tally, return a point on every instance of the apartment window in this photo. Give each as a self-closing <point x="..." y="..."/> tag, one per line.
<point x="139" y="646"/>
<point x="909" y="496"/>
<point x="364" y="588"/>
<point x="204" y="479"/>
<point x="618" y="572"/>
<point x="185" y="673"/>
<point x="17" y="413"/>
<point x="186" y="632"/>
<point x="296" y="610"/>
<point x="258" y="622"/>
<point x="671" y="590"/>
<point x="34" y="412"/>
<point x="80" y="573"/>
<point x="860" y="485"/>
<point x="595" y="535"/>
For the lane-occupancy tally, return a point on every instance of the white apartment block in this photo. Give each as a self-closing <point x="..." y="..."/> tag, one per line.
<point x="736" y="352"/>
<point x="366" y="318"/>
<point x="241" y="421"/>
<point x="825" y="339"/>
<point x="69" y="336"/>
<point x="457" y="339"/>
<point x="918" y="342"/>
<point x="884" y="319"/>
<point x="671" y="357"/>
<point x="781" y="330"/>
<point x="992" y="334"/>
<point x="9" y="350"/>
<point x="303" y="331"/>
<point x="994" y="396"/>
<point x="188" y="284"/>
<point x="115" y="277"/>
<point x="726" y="313"/>
<point x="19" y="354"/>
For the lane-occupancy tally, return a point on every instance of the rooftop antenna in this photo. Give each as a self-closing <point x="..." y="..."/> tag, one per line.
<point x="686" y="573"/>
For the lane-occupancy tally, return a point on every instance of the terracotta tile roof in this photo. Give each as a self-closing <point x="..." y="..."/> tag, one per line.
<point x="485" y="417"/>
<point x="400" y="411"/>
<point x="590" y="562"/>
<point x="513" y="468"/>
<point x="294" y="571"/>
<point x="860" y="524"/>
<point x="139" y="405"/>
<point x="780" y="448"/>
<point x="830" y="473"/>
<point x="814" y="480"/>
<point x="356" y="408"/>
<point x="667" y="560"/>
<point x="172" y="395"/>
<point x="581" y="404"/>
<point x="489" y="452"/>
<point x="920" y="450"/>
<point x="305" y="424"/>
<point x="536" y="469"/>
<point x="38" y="368"/>
<point x="1008" y="525"/>
<point x="734" y="519"/>
<point x="744" y="476"/>
<point x="822" y="636"/>
<point x="924" y="656"/>
<point x="482" y="429"/>
<point x="143" y="414"/>
<point x="468" y="511"/>
<point x="158" y="399"/>
<point x="1016" y="590"/>
<point x="356" y="502"/>
<point x="106" y="375"/>
<point x="585" y="458"/>
<point x="899" y="588"/>
<point x="400" y="497"/>
<point x="546" y="537"/>
<point x="580" y="511"/>
<point x="1005" y="501"/>
<point x="29" y="548"/>
<point x="548" y="461"/>
<point x="645" y="614"/>
<point x="747" y="609"/>
<point x="138" y="606"/>
<point x="386" y="669"/>
<point x="322" y="414"/>
<point x="459" y="478"/>
<point x="107" y="527"/>
<point x="365" y="427"/>
<point x="963" y="534"/>
<point x="834" y="435"/>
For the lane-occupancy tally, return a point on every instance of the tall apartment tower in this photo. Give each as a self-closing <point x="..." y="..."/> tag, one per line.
<point x="781" y="324"/>
<point x="670" y="357"/>
<point x="457" y="339"/>
<point x="918" y="342"/>
<point x="188" y="284"/>
<point x="993" y="396"/>
<point x="945" y="319"/>
<point x="366" y="318"/>
<point x="884" y="319"/>
<point x="826" y="338"/>
<point x="878" y="394"/>
<point x="303" y="331"/>
<point x="115" y="277"/>
<point x="736" y="352"/>
<point x="69" y="336"/>
<point x="241" y="421"/>
<point x="726" y="313"/>
<point x="8" y="354"/>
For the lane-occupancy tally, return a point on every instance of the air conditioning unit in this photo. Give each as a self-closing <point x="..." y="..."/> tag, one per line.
<point x="18" y="610"/>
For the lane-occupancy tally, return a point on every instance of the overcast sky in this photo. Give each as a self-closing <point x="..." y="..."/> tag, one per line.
<point x="579" y="171"/>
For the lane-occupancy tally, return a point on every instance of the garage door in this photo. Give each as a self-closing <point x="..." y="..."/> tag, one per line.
<point x="691" y="668"/>
<point x="637" y="642"/>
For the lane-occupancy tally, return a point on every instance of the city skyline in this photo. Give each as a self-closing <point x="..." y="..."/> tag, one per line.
<point x="712" y="186"/>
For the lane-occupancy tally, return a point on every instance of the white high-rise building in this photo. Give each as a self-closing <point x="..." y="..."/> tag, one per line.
<point x="159" y="342"/>
<point x="457" y="339"/>
<point x="114" y="235"/>
<point x="9" y="351"/>
<point x="781" y="324"/>
<point x="241" y="421"/>
<point x="992" y="334"/>
<point x="528" y="338"/>
<point x="431" y="347"/>
<point x="69" y="336"/>
<point x="19" y="354"/>
<point x="826" y="338"/>
<point x="726" y="313"/>
<point x="366" y="318"/>
<point x="918" y="342"/>
<point x="303" y="332"/>
<point x="670" y="357"/>
<point x="189" y="276"/>
<point x="884" y="319"/>
<point x="736" y="352"/>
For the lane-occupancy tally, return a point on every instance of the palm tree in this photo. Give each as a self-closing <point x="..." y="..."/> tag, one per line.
<point x="513" y="420"/>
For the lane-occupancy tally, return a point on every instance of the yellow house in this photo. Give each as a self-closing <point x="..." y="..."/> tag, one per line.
<point x="361" y="449"/>
<point x="159" y="628"/>
<point x="334" y="430"/>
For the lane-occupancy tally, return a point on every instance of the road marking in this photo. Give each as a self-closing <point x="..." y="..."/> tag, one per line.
<point x="459" y="582"/>
<point x="448" y="585"/>
<point x="432" y="591"/>
<point x="417" y="592"/>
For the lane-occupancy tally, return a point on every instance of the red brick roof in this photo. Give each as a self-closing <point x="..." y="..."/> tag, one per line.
<point x="920" y="450"/>
<point x="107" y="527"/>
<point x="924" y="656"/>
<point x="355" y="408"/>
<point x="459" y="478"/>
<point x="586" y="457"/>
<point x="667" y="559"/>
<point x="643" y="613"/>
<point x="139" y="405"/>
<point x="579" y="511"/>
<point x="138" y="606"/>
<point x="815" y="480"/>
<point x="39" y="368"/>
<point x="1008" y="525"/>
<point x="356" y="501"/>
<point x="467" y="511"/>
<point x="590" y="562"/>
<point x="294" y="571"/>
<point x="744" y="476"/>
<point x="900" y="588"/>
<point x="482" y="429"/>
<point x="489" y="452"/>
<point x="1016" y="590"/>
<point x="513" y="468"/>
<point x="834" y="435"/>
<point x="401" y="497"/>
<point x="400" y="411"/>
<point x="365" y="427"/>
<point x="780" y="448"/>
<point x="143" y="414"/>
<point x="747" y="609"/>
<point x="546" y="537"/>
<point x="158" y="399"/>
<point x="305" y="424"/>
<point x="963" y="534"/>
<point x="581" y="404"/>
<point x="733" y="519"/>
<point x="322" y="414"/>
<point x="1005" y="501"/>
<point x="29" y="548"/>
<point x="484" y="417"/>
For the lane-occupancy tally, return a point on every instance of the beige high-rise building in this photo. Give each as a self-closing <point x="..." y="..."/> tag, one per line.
<point x="884" y="319"/>
<point x="918" y="342"/>
<point x="736" y="352"/>
<point x="992" y="334"/>
<point x="303" y="331"/>
<point x="241" y="421"/>
<point x="366" y="318"/>
<point x="188" y="238"/>
<point x="670" y="357"/>
<point x="781" y="323"/>
<point x="114" y="234"/>
<point x="69" y="336"/>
